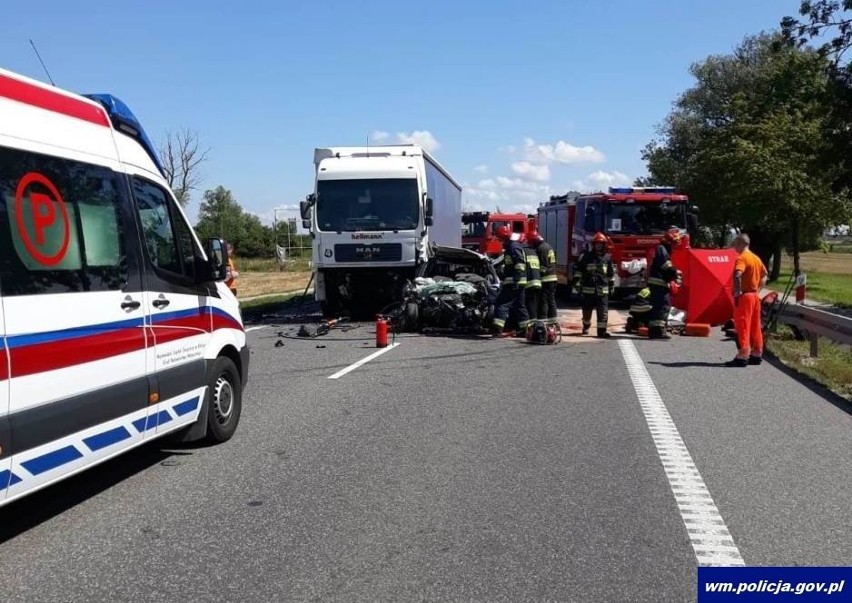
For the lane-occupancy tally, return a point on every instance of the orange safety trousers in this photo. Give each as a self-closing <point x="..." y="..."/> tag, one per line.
<point x="749" y="326"/>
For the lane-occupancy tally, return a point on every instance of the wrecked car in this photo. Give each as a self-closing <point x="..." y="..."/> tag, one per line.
<point x="454" y="291"/>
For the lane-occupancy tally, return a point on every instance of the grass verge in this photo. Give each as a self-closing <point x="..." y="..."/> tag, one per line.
<point x="835" y="289"/>
<point x="827" y="273"/>
<point x="297" y="264"/>
<point x="832" y="369"/>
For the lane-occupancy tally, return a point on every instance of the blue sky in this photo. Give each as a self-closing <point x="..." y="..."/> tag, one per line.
<point x="518" y="100"/>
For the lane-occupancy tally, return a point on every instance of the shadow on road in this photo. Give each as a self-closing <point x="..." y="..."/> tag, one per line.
<point x="686" y="364"/>
<point x="32" y="510"/>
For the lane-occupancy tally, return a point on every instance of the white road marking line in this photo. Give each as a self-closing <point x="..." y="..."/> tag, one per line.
<point x="710" y="538"/>
<point x="363" y="361"/>
<point x="257" y="328"/>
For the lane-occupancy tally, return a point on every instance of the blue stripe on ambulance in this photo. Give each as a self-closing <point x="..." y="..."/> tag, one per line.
<point x="186" y="407"/>
<point x="152" y="421"/>
<point x="107" y="438"/>
<point x="69" y="452"/>
<point x="15" y="341"/>
<point x="8" y="479"/>
<point x="52" y="460"/>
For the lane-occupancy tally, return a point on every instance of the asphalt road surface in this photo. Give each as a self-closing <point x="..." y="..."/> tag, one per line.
<point x="453" y="469"/>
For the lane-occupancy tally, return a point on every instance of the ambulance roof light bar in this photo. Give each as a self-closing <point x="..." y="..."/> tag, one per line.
<point x="123" y="120"/>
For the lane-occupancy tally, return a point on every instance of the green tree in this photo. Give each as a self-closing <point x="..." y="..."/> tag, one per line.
<point x="746" y="143"/>
<point x="220" y="215"/>
<point x="830" y="19"/>
<point x="821" y="18"/>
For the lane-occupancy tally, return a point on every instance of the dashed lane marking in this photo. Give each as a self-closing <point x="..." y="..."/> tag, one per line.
<point x="257" y="328"/>
<point x="710" y="538"/>
<point x="362" y="362"/>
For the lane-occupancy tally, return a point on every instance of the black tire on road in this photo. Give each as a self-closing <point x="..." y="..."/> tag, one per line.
<point x="224" y="400"/>
<point x="412" y="317"/>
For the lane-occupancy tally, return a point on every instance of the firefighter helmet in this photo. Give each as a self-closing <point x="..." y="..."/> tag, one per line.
<point x="503" y="232"/>
<point x="599" y="238"/>
<point x="535" y="237"/>
<point x="672" y="236"/>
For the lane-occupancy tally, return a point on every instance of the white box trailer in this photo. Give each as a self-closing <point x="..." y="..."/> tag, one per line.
<point x="373" y="216"/>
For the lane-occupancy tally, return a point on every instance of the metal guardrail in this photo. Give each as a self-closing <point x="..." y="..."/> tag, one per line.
<point x="817" y="323"/>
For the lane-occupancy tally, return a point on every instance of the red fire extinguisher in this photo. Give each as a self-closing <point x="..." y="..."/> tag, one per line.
<point x="381" y="332"/>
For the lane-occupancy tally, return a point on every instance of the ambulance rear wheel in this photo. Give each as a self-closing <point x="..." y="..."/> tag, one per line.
<point x="225" y="401"/>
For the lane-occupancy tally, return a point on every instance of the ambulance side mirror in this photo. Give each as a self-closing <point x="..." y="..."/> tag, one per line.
<point x="217" y="257"/>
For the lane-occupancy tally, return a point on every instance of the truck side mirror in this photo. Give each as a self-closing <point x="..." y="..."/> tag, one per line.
<point x="428" y="221"/>
<point x="429" y="207"/>
<point x="305" y="209"/>
<point x="217" y="257"/>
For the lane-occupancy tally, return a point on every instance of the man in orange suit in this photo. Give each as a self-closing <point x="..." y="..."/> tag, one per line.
<point x="749" y="279"/>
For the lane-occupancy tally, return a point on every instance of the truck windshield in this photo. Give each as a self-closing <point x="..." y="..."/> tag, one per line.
<point x="367" y="204"/>
<point x="644" y="218"/>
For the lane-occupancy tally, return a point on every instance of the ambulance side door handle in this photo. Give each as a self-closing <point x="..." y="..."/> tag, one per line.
<point x="160" y="302"/>
<point x="130" y="304"/>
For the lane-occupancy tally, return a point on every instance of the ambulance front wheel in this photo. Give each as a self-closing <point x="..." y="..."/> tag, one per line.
<point x="225" y="400"/>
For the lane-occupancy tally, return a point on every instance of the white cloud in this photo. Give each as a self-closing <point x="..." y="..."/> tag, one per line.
<point x="511" y="194"/>
<point x="600" y="180"/>
<point x="529" y="171"/>
<point x="561" y="152"/>
<point x="379" y="136"/>
<point x="424" y="138"/>
<point x="482" y="169"/>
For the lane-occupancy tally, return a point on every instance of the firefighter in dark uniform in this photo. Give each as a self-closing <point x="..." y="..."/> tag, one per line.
<point x="547" y="261"/>
<point x="532" y="295"/>
<point x="640" y="309"/>
<point x="661" y="274"/>
<point x="510" y="302"/>
<point x="594" y="277"/>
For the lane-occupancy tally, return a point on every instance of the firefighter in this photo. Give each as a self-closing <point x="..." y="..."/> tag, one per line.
<point x="532" y="293"/>
<point x="594" y="277"/>
<point x="640" y="308"/>
<point x="510" y="302"/>
<point x="547" y="261"/>
<point x="661" y="274"/>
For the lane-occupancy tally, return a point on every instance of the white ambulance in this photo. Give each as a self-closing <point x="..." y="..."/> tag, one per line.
<point x="115" y="323"/>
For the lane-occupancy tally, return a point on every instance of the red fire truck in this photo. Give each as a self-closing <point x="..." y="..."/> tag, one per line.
<point x="633" y="218"/>
<point x="479" y="229"/>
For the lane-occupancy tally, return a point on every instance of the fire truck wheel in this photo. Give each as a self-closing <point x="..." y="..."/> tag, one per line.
<point x="224" y="400"/>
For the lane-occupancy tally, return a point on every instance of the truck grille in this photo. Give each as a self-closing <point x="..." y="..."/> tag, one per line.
<point x="368" y="252"/>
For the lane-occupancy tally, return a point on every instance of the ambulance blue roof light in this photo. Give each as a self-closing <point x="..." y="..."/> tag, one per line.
<point x="122" y="119"/>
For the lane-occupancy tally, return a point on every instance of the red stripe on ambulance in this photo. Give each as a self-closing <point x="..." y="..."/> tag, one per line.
<point x="52" y="355"/>
<point x="52" y="101"/>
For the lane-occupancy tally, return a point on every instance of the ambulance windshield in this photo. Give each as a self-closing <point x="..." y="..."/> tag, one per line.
<point x="644" y="218"/>
<point x="367" y="204"/>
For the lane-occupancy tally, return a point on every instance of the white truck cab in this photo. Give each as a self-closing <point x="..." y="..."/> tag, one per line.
<point x="115" y="323"/>
<point x="374" y="214"/>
